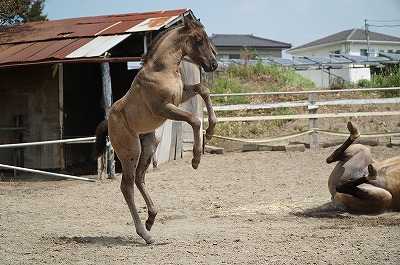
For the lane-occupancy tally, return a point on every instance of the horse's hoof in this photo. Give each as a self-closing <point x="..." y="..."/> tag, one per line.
<point x="209" y="134"/>
<point x="150" y="241"/>
<point x="195" y="164"/>
<point x="353" y="129"/>
<point x="149" y="224"/>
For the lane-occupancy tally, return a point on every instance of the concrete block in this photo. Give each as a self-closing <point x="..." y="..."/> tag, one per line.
<point x="214" y="150"/>
<point x="295" y="148"/>
<point x="395" y="140"/>
<point x="249" y="147"/>
<point x="264" y="147"/>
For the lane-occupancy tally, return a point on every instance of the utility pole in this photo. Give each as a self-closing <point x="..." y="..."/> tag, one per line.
<point x="367" y="36"/>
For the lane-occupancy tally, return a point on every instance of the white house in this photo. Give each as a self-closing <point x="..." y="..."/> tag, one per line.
<point x="348" y="43"/>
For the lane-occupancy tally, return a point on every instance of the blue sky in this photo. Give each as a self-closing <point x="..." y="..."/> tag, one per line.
<point x="292" y="21"/>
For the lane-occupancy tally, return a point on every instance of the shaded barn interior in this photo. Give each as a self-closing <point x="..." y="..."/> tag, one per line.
<point x="83" y="109"/>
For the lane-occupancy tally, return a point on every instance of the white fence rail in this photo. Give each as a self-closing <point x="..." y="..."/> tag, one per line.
<point x="312" y="104"/>
<point x="41" y="172"/>
<point x="74" y="140"/>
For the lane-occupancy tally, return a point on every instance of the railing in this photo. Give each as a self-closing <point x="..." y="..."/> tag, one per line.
<point x="70" y="141"/>
<point x="312" y="104"/>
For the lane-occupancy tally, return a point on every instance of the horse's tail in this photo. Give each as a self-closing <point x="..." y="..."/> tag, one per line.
<point x="101" y="141"/>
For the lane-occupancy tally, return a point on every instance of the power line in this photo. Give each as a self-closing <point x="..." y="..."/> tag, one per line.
<point x="382" y="26"/>
<point x="395" y="20"/>
<point x="382" y="21"/>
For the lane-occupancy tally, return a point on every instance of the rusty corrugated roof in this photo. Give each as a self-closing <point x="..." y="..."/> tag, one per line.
<point x="76" y="37"/>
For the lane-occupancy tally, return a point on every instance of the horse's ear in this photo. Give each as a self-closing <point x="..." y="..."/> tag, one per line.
<point x="187" y="22"/>
<point x="372" y="172"/>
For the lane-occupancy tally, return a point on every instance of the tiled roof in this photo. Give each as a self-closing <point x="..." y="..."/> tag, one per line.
<point x="73" y="38"/>
<point x="348" y="35"/>
<point x="240" y="40"/>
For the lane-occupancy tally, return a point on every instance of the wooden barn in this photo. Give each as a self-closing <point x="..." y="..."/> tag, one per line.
<point x="52" y="78"/>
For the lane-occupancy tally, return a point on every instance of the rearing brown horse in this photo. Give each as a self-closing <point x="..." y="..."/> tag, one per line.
<point x="154" y="97"/>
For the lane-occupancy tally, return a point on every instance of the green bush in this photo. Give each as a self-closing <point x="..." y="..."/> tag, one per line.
<point x="224" y="85"/>
<point x="283" y="77"/>
<point x="389" y="79"/>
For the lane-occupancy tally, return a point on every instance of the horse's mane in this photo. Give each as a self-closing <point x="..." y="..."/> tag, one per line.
<point x="154" y="43"/>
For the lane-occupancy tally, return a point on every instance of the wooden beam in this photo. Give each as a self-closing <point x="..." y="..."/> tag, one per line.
<point x="60" y="68"/>
<point x="107" y="102"/>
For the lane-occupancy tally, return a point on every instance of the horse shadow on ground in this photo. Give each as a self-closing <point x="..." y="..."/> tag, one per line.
<point x="106" y="241"/>
<point x="326" y="210"/>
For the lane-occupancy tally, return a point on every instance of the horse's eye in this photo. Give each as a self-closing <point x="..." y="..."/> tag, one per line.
<point x="199" y="41"/>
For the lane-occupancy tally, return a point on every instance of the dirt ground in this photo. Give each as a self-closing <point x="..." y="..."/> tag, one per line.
<point x="236" y="208"/>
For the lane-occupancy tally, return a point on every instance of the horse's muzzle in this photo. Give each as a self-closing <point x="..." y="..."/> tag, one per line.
<point x="211" y="66"/>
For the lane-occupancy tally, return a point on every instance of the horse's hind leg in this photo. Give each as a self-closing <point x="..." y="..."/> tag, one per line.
<point x="351" y="186"/>
<point x="127" y="147"/>
<point x="149" y="143"/>
<point x="338" y="153"/>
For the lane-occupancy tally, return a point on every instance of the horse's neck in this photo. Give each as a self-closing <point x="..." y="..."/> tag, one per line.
<point x="169" y="53"/>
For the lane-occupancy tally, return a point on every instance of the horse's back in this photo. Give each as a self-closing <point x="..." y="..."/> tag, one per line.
<point x="389" y="172"/>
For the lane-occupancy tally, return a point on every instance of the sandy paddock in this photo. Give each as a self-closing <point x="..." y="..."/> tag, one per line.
<point x="237" y="208"/>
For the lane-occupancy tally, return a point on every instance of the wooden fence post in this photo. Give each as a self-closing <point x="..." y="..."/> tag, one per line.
<point x="107" y="164"/>
<point x="313" y="122"/>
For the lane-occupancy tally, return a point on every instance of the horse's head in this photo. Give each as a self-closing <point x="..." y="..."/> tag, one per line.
<point x="198" y="46"/>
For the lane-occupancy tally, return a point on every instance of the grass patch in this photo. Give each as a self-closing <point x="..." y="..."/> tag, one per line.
<point x="389" y="78"/>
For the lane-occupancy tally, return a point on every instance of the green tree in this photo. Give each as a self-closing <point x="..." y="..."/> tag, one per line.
<point x="21" y="11"/>
<point x="248" y="53"/>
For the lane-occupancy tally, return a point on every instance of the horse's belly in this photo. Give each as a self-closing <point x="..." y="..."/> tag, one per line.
<point x="148" y="125"/>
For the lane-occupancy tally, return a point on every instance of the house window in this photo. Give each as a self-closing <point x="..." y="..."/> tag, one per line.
<point x="390" y="51"/>
<point x="335" y="52"/>
<point x="371" y="53"/>
<point x="223" y="57"/>
<point x="363" y="52"/>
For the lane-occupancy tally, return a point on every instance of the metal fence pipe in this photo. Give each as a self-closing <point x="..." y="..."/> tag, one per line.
<point x="45" y="173"/>
<point x="83" y="139"/>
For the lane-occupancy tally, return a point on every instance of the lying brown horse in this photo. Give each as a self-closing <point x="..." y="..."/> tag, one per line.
<point x="361" y="184"/>
<point x="154" y="97"/>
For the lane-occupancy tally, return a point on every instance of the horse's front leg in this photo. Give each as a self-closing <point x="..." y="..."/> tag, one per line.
<point x="149" y="143"/>
<point x="172" y="112"/>
<point x="190" y="91"/>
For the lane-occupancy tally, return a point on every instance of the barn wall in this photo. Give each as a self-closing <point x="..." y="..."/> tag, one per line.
<point x="192" y="76"/>
<point x="32" y="93"/>
<point x="177" y="137"/>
